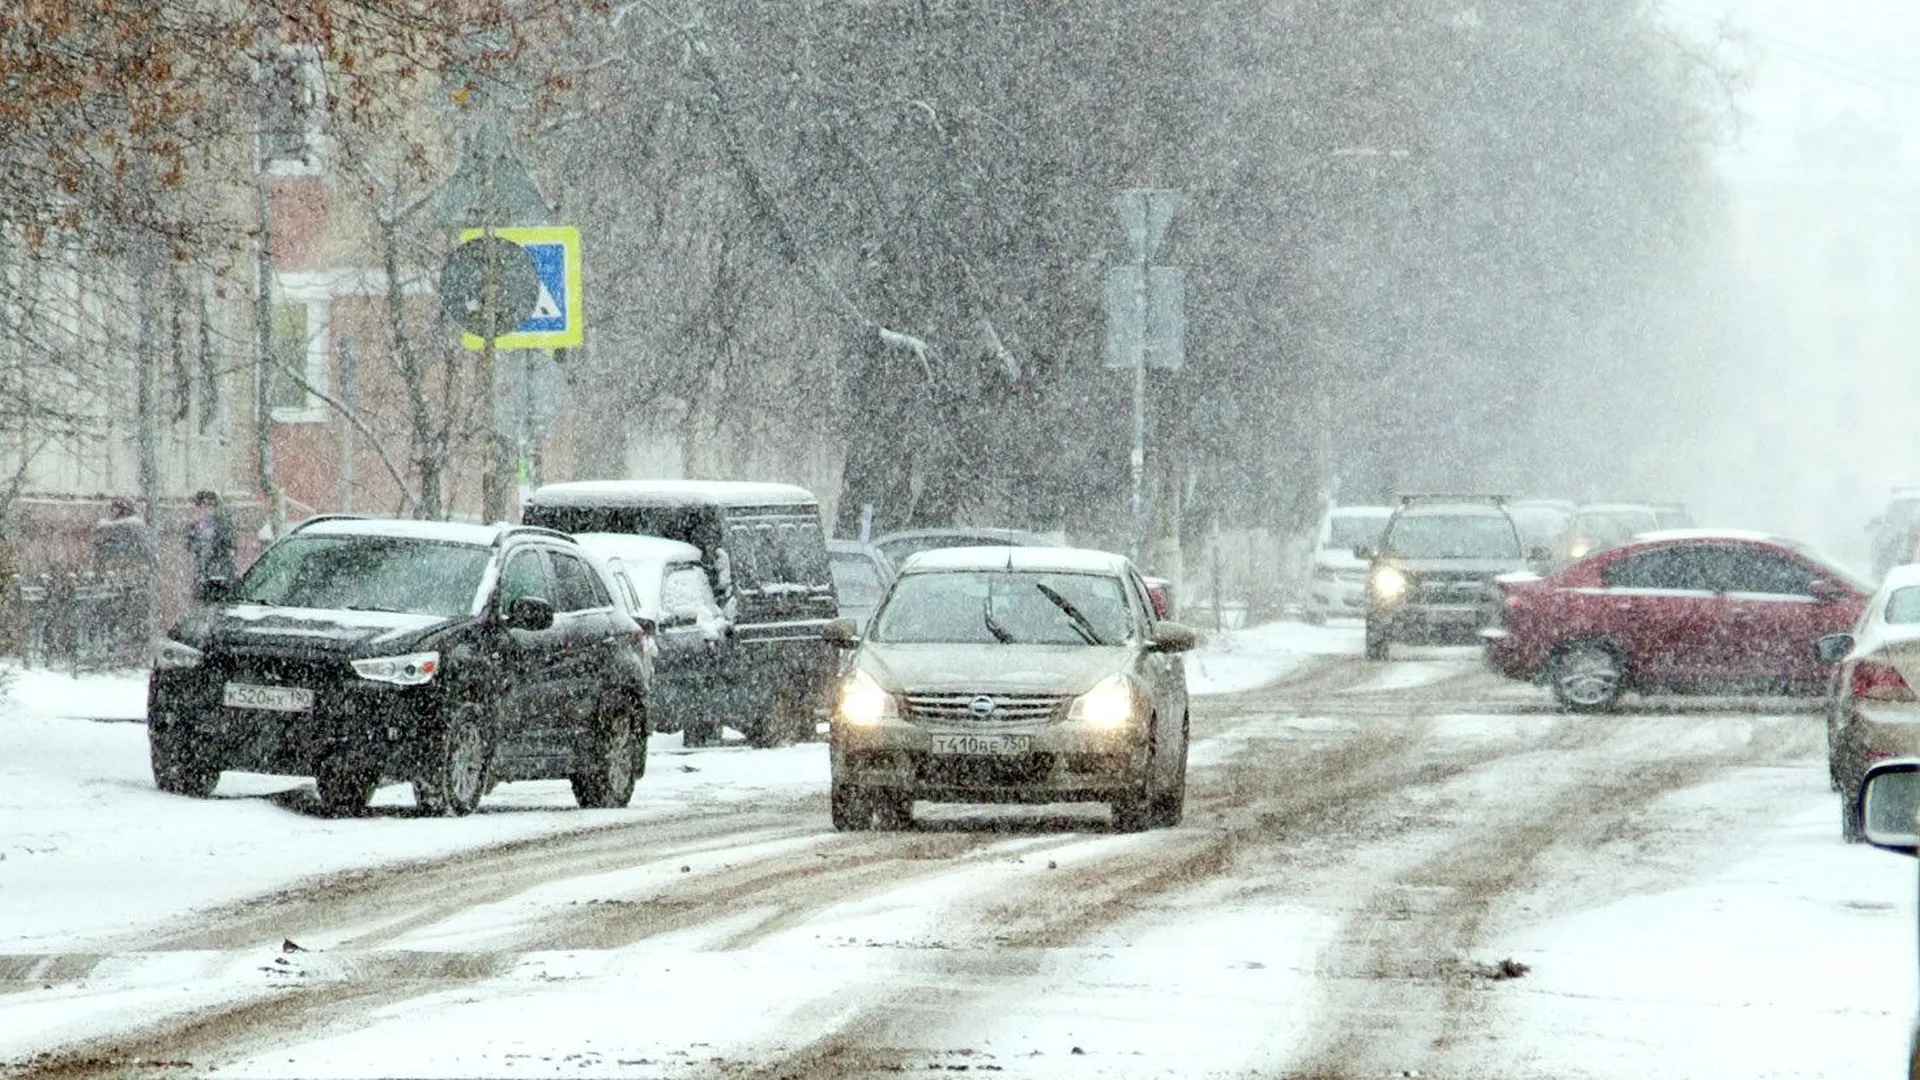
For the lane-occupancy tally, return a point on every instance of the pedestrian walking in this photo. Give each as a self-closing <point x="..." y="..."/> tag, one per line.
<point x="210" y="537"/>
<point x="121" y="619"/>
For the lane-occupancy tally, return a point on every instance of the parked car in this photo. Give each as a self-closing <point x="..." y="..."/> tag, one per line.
<point x="1676" y="612"/>
<point x="1889" y="798"/>
<point x="1672" y="515"/>
<point x="902" y="545"/>
<point x="1546" y="531"/>
<point x="360" y="650"/>
<point x="663" y="585"/>
<point x="1025" y="675"/>
<point x="861" y="574"/>
<point x="1338" y="586"/>
<point x="1872" y="713"/>
<point x="1431" y="578"/>
<point x="765" y="555"/>
<point x="1598" y="526"/>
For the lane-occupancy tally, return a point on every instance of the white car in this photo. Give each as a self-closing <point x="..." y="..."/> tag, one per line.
<point x="1872" y="712"/>
<point x="1338" y="586"/>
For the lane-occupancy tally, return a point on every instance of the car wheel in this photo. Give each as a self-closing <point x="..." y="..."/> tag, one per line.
<point x="701" y="732"/>
<point x="893" y="811"/>
<point x="850" y="808"/>
<point x="177" y="770"/>
<point x="1850" y="828"/>
<point x="608" y="774"/>
<point x="1586" y="676"/>
<point x="1133" y="811"/>
<point x="454" y="776"/>
<point x="345" y="788"/>
<point x="1376" y="642"/>
<point x="1315" y="617"/>
<point x="1170" y="806"/>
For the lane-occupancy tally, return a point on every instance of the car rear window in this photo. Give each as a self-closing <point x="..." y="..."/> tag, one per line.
<point x="1348" y="531"/>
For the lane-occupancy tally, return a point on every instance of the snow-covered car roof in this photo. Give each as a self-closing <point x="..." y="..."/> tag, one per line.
<point x="452" y="532"/>
<point x="1009" y="537"/>
<point x="1361" y="511"/>
<point x="1615" y="508"/>
<point x="1749" y="535"/>
<point x="1060" y="559"/>
<point x="634" y="548"/>
<point x="669" y="492"/>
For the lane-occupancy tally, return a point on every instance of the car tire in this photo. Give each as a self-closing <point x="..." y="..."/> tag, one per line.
<point x="1376" y="642"/>
<point x="454" y="776"/>
<point x="177" y="770"/>
<point x="851" y="810"/>
<point x="1314" y="617"/>
<point x="1851" y="831"/>
<point x="1586" y="675"/>
<point x="702" y="732"/>
<point x="1133" y="810"/>
<point x="606" y="781"/>
<point x="345" y="788"/>
<point x="1170" y="806"/>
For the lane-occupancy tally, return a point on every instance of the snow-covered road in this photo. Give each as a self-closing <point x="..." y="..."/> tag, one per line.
<point x="1365" y="845"/>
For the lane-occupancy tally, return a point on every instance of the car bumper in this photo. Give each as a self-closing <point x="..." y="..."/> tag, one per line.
<point x="1511" y="655"/>
<point x="1058" y="762"/>
<point x="369" y="723"/>
<point x="1434" y="624"/>
<point x="1873" y="732"/>
<point x="1338" y="596"/>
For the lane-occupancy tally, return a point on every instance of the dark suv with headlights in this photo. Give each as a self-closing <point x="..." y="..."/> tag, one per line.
<point x="357" y="650"/>
<point x="1430" y="580"/>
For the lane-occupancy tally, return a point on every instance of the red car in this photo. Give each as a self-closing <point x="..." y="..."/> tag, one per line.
<point x="1676" y="612"/>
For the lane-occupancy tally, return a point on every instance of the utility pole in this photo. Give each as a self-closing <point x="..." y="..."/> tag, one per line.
<point x="1146" y="327"/>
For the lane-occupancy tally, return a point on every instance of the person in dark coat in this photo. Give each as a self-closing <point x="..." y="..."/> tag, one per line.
<point x="122" y="543"/>
<point x="210" y="537"/>
<point x="123" y="556"/>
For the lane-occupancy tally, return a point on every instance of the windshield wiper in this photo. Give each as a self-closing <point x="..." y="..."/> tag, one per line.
<point x="999" y="632"/>
<point x="1081" y="624"/>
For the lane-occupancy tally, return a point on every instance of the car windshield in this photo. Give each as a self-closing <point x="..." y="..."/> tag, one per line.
<point x="856" y="580"/>
<point x="368" y="573"/>
<point x="1453" y="536"/>
<point x="1348" y="531"/>
<point x="1608" y="527"/>
<point x="982" y="607"/>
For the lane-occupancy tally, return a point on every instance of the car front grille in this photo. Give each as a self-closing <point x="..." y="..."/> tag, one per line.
<point x="970" y="708"/>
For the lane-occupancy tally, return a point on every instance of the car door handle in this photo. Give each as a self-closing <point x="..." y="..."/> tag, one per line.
<point x="1624" y="605"/>
<point x="1743" y="615"/>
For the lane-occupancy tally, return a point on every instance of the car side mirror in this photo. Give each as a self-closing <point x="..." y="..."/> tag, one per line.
<point x="216" y="590"/>
<point x="1833" y="648"/>
<point x="1540" y="555"/>
<point x="1889" y="801"/>
<point x="1825" y="591"/>
<point x="840" y="633"/>
<point x="1172" y="637"/>
<point x="1364" y="552"/>
<point x="529" y="613"/>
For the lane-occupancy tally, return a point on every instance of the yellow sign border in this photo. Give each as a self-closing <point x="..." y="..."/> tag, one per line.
<point x="573" y="336"/>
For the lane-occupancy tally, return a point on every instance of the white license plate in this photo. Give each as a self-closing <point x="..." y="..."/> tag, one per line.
<point x="982" y="744"/>
<point x="276" y="698"/>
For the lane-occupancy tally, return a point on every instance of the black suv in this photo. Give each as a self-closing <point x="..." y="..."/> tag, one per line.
<point x="1431" y="578"/>
<point x="453" y="656"/>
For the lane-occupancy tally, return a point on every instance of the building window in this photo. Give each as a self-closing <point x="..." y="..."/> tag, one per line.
<point x="297" y="355"/>
<point x="293" y="113"/>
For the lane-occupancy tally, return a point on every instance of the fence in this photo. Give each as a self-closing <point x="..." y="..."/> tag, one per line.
<point x="84" y="621"/>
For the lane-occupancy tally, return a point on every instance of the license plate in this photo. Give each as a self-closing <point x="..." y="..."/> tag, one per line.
<point x="981" y="744"/>
<point x="276" y="698"/>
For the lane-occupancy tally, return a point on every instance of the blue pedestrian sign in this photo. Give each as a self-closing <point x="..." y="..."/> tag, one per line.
<point x="556" y="322"/>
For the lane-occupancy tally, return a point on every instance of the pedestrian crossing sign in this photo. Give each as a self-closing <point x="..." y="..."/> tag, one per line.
<point x="556" y="322"/>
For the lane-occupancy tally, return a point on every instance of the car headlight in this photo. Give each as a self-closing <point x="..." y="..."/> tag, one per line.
<point x="174" y="655"/>
<point x="409" y="670"/>
<point x="863" y="701"/>
<point x="1389" y="584"/>
<point x="1109" y="704"/>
